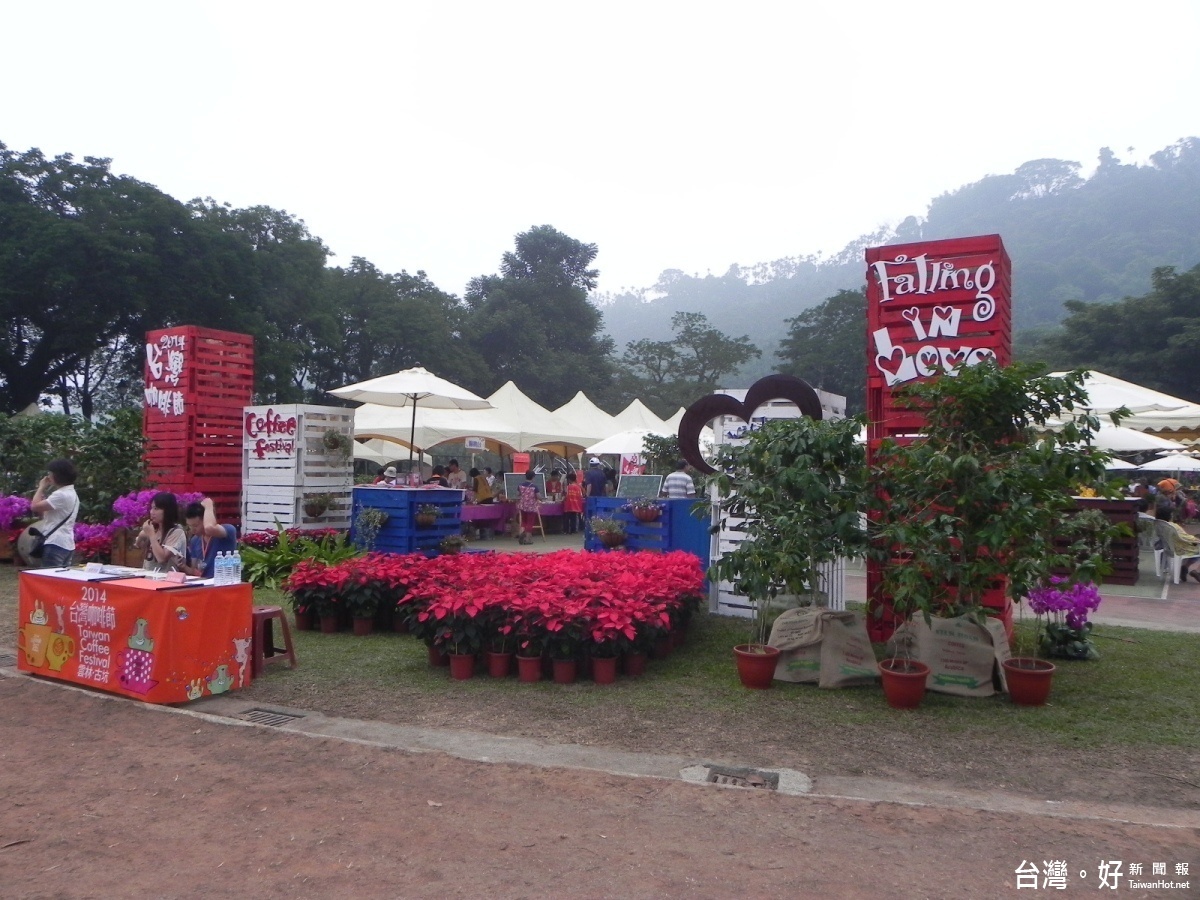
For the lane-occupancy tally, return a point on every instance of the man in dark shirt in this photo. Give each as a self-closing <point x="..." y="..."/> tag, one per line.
<point x="594" y="482"/>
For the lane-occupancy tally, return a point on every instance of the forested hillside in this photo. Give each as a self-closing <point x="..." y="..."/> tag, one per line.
<point x="1094" y="239"/>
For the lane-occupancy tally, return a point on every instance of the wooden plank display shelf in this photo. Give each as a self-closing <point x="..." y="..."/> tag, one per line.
<point x="196" y="382"/>
<point x="1123" y="551"/>
<point x="401" y="533"/>
<point x="676" y="528"/>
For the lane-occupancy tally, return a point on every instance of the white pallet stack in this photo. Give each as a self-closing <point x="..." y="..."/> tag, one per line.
<point x="724" y="600"/>
<point x="275" y="486"/>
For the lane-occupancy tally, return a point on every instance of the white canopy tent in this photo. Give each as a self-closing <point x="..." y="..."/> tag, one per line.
<point x="638" y="415"/>
<point x="1184" y="418"/>
<point x="1106" y="393"/>
<point x="585" y="417"/>
<point x="1119" y="439"/>
<point x="538" y="425"/>
<point x="434" y="426"/>
<point x="383" y="452"/>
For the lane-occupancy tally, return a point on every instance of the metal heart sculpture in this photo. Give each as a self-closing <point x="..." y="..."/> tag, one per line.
<point x="704" y="410"/>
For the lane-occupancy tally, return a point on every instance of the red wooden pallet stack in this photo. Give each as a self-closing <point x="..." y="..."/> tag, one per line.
<point x="197" y="382"/>
<point x="934" y="303"/>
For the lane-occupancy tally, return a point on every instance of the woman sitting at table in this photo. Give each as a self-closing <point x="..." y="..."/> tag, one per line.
<point x="479" y="484"/>
<point x="554" y="485"/>
<point x="162" y="539"/>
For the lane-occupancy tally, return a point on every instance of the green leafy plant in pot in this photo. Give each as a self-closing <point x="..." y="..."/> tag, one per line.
<point x="368" y="522"/>
<point x="608" y="530"/>
<point x="800" y="486"/>
<point x="979" y="498"/>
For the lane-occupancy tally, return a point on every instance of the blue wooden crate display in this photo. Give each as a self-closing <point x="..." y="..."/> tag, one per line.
<point x="401" y="533"/>
<point x="675" y="529"/>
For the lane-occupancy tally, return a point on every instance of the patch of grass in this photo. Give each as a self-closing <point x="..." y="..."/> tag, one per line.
<point x="1141" y="693"/>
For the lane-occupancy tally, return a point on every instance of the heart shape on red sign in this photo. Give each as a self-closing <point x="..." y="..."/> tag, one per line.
<point x="704" y="410"/>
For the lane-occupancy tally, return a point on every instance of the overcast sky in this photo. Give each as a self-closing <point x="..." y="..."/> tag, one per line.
<point x="673" y="135"/>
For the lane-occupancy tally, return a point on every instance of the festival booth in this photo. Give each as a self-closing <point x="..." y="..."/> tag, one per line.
<point x="675" y="528"/>
<point x="152" y="640"/>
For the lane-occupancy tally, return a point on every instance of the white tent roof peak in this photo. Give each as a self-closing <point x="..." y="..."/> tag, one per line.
<point x="586" y="417"/>
<point x="1106" y="393"/>
<point x="538" y="425"/>
<point x="637" y="415"/>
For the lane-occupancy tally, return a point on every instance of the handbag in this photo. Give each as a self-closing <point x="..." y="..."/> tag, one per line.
<point x="38" y="547"/>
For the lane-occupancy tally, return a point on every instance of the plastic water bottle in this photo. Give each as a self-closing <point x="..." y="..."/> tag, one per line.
<point x="221" y="569"/>
<point x="235" y="567"/>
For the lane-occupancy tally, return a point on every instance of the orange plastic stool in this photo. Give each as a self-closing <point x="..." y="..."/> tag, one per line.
<point x="263" y="649"/>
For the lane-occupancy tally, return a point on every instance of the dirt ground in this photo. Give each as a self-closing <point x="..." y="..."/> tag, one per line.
<point x="108" y="798"/>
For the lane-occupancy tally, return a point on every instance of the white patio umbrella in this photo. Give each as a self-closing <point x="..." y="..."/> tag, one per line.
<point x="633" y="440"/>
<point x="1114" y="465"/>
<point x="412" y="387"/>
<point x="1171" y="464"/>
<point x="1128" y="440"/>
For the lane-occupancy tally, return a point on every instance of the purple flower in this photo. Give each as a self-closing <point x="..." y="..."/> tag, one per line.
<point x="1072" y="602"/>
<point x="12" y="507"/>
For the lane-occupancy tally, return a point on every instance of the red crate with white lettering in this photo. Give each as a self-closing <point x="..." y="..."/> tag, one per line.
<point x="197" y="380"/>
<point x="930" y="305"/>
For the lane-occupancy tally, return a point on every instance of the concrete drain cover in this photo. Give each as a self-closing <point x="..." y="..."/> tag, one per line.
<point x="747" y="778"/>
<point x="6" y="660"/>
<point x="270" y="717"/>
<point x="784" y="781"/>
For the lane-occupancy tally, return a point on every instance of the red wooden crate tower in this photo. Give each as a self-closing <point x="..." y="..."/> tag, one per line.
<point x="934" y="303"/>
<point x="197" y="382"/>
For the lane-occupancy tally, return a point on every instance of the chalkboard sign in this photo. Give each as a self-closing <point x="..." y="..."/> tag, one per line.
<point x="639" y="486"/>
<point x="513" y="480"/>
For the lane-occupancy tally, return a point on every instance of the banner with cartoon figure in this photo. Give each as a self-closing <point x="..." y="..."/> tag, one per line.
<point x="147" y="639"/>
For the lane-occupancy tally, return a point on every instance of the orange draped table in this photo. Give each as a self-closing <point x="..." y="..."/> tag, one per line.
<point x="150" y="640"/>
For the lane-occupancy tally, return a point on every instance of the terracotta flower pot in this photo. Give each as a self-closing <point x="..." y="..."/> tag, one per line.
<point x="529" y="668"/>
<point x="903" y="682"/>
<point x="1029" y="680"/>
<point x="565" y="671"/>
<point x="499" y="664"/>
<point x="635" y="664"/>
<point x="604" y="669"/>
<point x="611" y="539"/>
<point x="303" y="619"/>
<point x="426" y="521"/>
<point x="331" y="624"/>
<point x="363" y="626"/>
<point x="647" y="515"/>
<point x="756" y="665"/>
<point x="462" y="666"/>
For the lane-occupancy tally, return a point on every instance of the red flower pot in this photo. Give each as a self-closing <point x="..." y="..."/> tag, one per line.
<point x="499" y="664"/>
<point x="647" y="515"/>
<point x="611" y="539"/>
<point x="564" y="671"/>
<point x="604" y="669"/>
<point x="756" y="665"/>
<point x="663" y="647"/>
<point x="1029" y="680"/>
<point x="303" y="619"/>
<point x="529" y="668"/>
<point x="399" y="622"/>
<point x="363" y="626"/>
<point x="437" y="658"/>
<point x="635" y="664"/>
<point x="330" y="624"/>
<point x="903" y="682"/>
<point x="462" y="666"/>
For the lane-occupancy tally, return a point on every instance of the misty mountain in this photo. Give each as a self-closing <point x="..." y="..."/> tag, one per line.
<point x="1094" y="239"/>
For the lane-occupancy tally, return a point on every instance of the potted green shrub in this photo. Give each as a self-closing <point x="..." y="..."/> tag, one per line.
<point x="800" y="486"/>
<point x="452" y="544"/>
<point x="367" y="524"/>
<point x="426" y="514"/>
<point x="337" y="443"/>
<point x="609" y="531"/>
<point x="316" y="505"/>
<point x="979" y="499"/>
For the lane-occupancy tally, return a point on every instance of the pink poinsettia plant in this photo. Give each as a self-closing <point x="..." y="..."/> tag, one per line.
<point x="566" y="603"/>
